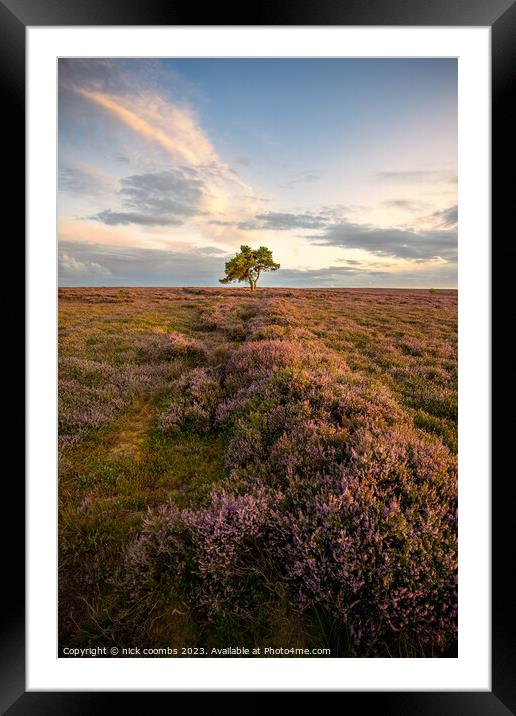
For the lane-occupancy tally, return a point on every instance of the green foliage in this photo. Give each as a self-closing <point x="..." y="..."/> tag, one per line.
<point x="248" y="264"/>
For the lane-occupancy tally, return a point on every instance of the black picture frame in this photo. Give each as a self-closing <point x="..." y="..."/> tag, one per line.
<point x="500" y="15"/>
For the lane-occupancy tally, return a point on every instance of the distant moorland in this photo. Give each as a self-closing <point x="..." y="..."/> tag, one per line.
<point x="270" y="468"/>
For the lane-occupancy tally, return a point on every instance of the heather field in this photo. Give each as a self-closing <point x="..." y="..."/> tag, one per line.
<point x="276" y="468"/>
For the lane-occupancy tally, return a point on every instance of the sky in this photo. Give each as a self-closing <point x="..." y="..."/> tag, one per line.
<point x="345" y="168"/>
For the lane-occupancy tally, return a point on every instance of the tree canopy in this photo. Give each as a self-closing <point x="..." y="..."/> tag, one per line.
<point x="248" y="264"/>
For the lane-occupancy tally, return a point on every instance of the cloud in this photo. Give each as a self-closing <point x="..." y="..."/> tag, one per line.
<point x="283" y="221"/>
<point x="117" y="77"/>
<point x="407" y="243"/>
<point x="72" y="268"/>
<point x="408" y="175"/>
<point x="84" y="181"/>
<point x="139" y="97"/>
<point x="157" y="199"/>
<point x="304" y="178"/>
<point x="115" y="218"/>
<point x="86" y="264"/>
<point x="126" y="77"/>
<point x="174" y="128"/>
<point x="218" y="222"/>
<point x="399" y="243"/>
<point x="136" y="118"/>
<point x="405" y="205"/>
<point x="447" y="217"/>
<point x="133" y="93"/>
<point x="167" y="191"/>
<point x="419" y="187"/>
<point x="417" y="175"/>
<point x="243" y="161"/>
<point x="339" y="211"/>
<point x="207" y="250"/>
<point x="439" y="276"/>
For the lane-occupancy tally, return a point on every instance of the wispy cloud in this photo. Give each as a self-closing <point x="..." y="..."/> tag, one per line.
<point x="284" y="221"/>
<point x="304" y="178"/>
<point x="173" y="128"/>
<point x="417" y="175"/>
<point x="114" y="218"/>
<point x="244" y="161"/>
<point x="406" y="205"/>
<point x="85" y="181"/>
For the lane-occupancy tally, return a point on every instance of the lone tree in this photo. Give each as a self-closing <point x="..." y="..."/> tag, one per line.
<point x="248" y="264"/>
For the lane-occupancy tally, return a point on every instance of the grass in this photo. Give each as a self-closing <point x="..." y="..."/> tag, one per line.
<point x="117" y="462"/>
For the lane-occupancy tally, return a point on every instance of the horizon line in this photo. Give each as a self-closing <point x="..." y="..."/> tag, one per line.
<point x="265" y="288"/>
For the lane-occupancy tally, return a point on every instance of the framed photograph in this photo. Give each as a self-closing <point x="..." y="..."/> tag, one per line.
<point x="258" y="354"/>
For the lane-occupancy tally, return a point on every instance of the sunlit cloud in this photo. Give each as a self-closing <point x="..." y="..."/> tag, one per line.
<point x="148" y="116"/>
<point x="176" y="129"/>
